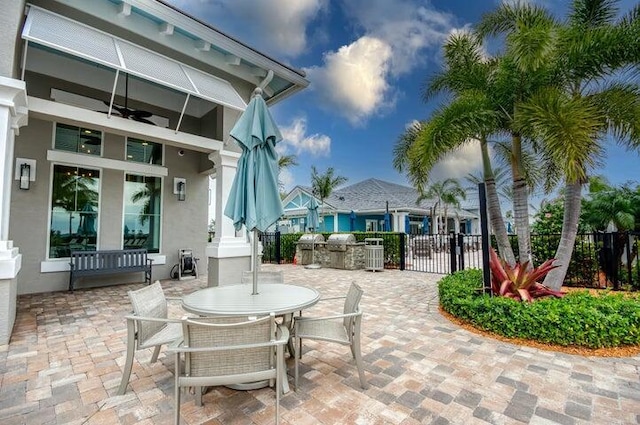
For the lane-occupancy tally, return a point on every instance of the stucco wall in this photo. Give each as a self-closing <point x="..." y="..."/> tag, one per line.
<point x="10" y="25"/>
<point x="184" y="224"/>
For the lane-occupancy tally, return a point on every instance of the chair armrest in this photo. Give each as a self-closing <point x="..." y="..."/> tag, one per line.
<point x="314" y="319"/>
<point x="185" y="349"/>
<point x="151" y="319"/>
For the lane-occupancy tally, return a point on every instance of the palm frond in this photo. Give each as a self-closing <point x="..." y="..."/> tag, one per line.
<point x="592" y="13"/>
<point x="567" y="126"/>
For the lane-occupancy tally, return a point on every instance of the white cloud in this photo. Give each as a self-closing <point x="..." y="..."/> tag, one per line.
<point x="274" y="25"/>
<point x="353" y="80"/>
<point x="356" y="81"/>
<point x="408" y="26"/>
<point x="459" y="163"/>
<point x="282" y="23"/>
<point x="296" y="139"/>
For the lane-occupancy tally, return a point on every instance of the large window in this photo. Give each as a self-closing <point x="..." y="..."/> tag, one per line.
<point x="74" y="210"/>
<point x="143" y="151"/>
<point x="77" y="139"/>
<point x="142" y="201"/>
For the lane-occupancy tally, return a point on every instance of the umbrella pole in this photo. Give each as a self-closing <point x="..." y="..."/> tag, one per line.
<point x="255" y="262"/>
<point x="313" y="264"/>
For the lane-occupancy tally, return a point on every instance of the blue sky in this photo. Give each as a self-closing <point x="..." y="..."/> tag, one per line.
<point x="367" y="61"/>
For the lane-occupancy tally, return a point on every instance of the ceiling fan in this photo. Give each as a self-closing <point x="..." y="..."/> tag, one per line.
<point x="125" y="112"/>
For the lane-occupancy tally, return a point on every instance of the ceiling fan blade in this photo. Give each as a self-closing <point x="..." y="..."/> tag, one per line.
<point x="140" y="119"/>
<point x="140" y="113"/>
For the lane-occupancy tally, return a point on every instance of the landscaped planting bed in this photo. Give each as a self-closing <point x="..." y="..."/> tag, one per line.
<point x="579" y="319"/>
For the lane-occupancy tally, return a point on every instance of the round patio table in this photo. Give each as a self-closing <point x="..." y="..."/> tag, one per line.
<point x="236" y="300"/>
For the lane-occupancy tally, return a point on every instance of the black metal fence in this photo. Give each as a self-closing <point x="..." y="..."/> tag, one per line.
<point x="599" y="259"/>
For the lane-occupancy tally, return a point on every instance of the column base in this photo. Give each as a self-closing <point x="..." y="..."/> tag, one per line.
<point x="228" y="258"/>
<point x="10" y="265"/>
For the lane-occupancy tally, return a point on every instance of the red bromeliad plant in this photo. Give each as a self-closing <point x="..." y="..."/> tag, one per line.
<point x="518" y="282"/>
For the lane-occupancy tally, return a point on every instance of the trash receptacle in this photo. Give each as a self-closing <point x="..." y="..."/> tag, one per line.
<point x="373" y="254"/>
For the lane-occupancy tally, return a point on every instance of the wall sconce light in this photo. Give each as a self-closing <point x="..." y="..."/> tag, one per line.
<point x="25" y="172"/>
<point x="180" y="188"/>
<point x="25" y="175"/>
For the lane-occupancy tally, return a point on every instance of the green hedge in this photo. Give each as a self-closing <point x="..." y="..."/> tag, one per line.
<point x="578" y="319"/>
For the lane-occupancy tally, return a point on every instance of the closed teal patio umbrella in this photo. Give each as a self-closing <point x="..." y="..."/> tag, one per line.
<point x="254" y="200"/>
<point x="313" y="220"/>
<point x="312" y="215"/>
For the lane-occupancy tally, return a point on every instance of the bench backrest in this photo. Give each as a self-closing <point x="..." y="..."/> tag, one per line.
<point x="108" y="260"/>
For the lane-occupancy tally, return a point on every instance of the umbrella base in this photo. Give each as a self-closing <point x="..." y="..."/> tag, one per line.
<point x="313" y="266"/>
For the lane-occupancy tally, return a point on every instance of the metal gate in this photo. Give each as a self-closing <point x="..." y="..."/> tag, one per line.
<point x="442" y="254"/>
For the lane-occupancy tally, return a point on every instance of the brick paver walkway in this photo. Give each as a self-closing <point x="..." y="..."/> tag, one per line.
<point x="64" y="364"/>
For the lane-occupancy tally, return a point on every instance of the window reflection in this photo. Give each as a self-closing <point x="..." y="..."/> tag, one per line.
<point x="74" y="210"/>
<point x="142" y="201"/>
<point x="78" y="139"/>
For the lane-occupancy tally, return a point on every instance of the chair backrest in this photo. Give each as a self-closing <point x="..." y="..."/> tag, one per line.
<point x="228" y="332"/>
<point x="351" y="305"/>
<point x="263" y="276"/>
<point x="149" y="302"/>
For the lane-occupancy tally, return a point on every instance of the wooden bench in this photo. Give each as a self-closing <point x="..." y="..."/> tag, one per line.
<point x="93" y="263"/>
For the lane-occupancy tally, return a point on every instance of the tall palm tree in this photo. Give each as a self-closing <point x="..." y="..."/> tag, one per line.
<point x="586" y="98"/>
<point x="323" y="185"/>
<point x="468" y="78"/>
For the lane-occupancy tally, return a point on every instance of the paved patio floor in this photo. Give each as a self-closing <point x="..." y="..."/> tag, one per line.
<point x="65" y="358"/>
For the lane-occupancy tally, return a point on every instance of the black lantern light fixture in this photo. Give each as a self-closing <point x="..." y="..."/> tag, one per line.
<point x="181" y="191"/>
<point x="25" y="176"/>
<point x="180" y="188"/>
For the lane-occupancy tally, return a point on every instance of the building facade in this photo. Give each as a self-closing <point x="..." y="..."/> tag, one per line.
<point x="375" y="205"/>
<point x="113" y="115"/>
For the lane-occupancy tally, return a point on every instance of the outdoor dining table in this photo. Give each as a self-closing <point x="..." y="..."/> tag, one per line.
<point x="237" y="300"/>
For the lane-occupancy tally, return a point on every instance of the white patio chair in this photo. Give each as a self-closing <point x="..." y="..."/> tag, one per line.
<point x="148" y="326"/>
<point x="341" y="328"/>
<point x="229" y="350"/>
<point x="263" y="276"/>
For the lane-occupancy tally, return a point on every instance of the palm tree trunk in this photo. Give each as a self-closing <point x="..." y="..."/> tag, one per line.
<point x="572" y="205"/>
<point x="495" y="211"/>
<point x="520" y="202"/>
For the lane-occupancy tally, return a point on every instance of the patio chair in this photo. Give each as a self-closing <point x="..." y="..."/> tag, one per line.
<point x="229" y="350"/>
<point x="341" y="328"/>
<point x="148" y="326"/>
<point x="263" y="276"/>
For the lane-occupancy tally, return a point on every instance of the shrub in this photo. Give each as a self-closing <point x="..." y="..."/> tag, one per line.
<point x="578" y="319"/>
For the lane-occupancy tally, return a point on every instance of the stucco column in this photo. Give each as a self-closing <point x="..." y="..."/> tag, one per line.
<point x="229" y="252"/>
<point x="13" y="115"/>
<point x="402" y="219"/>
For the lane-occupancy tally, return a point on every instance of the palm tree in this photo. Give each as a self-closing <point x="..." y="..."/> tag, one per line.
<point x="467" y="78"/>
<point x="323" y="185"/>
<point x="445" y="193"/>
<point x="285" y="161"/>
<point x="583" y="101"/>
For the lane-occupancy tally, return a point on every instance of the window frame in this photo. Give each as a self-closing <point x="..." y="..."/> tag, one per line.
<point x="48" y="257"/>
<point x="126" y="151"/>
<point x="124" y="205"/>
